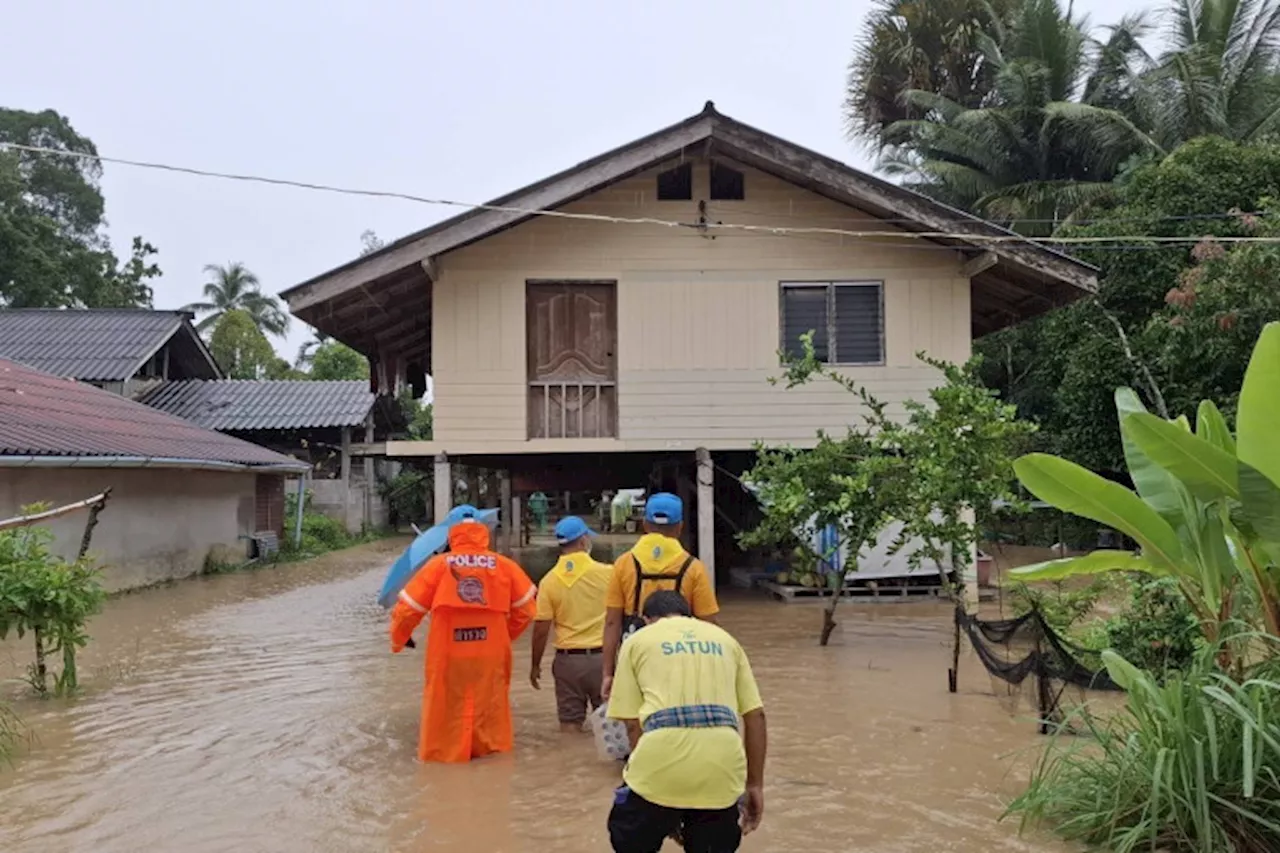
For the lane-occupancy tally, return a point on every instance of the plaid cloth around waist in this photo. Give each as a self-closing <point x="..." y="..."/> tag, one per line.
<point x="692" y="717"/>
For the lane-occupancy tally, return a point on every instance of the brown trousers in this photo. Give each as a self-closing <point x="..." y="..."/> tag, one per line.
<point x="578" y="678"/>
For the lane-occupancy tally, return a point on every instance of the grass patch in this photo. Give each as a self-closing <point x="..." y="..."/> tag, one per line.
<point x="1188" y="766"/>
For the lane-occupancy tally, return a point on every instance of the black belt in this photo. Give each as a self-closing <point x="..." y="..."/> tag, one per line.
<point x="579" y="651"/>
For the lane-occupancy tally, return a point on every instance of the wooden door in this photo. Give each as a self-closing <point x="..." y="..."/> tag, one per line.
<point x="573" y="334"/>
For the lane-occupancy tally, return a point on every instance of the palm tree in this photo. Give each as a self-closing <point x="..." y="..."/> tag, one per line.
<point x="1050" y="137"/>
<point x="235" y="287"/>
<point x="307" y="352"/>
<point x="1220" y="72"/>
<point x="927" y="45"/>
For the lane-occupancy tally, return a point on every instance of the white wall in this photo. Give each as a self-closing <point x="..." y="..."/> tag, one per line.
<point x="159" y="524"/>
<point x="698" y="320"/>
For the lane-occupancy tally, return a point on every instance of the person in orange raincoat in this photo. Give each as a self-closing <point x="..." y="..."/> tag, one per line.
<point x="479" y="603"/>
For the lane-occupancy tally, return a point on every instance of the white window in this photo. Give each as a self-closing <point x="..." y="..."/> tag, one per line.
<point x="846" y="318"/>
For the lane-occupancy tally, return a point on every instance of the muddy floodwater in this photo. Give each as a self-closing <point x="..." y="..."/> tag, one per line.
<point x="263" y="712"/>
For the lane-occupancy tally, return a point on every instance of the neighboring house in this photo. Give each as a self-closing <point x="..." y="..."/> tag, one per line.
<point x="180" y="494"/>
<point x="313" y="421"/>
<point x="123" y="350"/>
<point x="586" y="353"/>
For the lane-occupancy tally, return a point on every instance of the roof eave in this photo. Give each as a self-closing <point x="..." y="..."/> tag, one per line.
<point x="770" y="152"/>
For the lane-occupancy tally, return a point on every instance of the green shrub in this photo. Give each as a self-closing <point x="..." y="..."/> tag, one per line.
<point x="1157" y="631"/>
<point x="329" y="532"/>
<point x="49" y="598"/>
<point x="1188" y="766"/>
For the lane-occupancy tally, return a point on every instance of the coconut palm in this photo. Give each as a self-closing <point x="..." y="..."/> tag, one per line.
<point x="235" y="287"/>
<point x="1052" y="134"/>
<point x="1219" y="73"/>
<point x="927" y="45"/>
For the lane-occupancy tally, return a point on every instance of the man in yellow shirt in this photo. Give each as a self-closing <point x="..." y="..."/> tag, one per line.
<point x="571" y="598"/>
<point x="681" y="686"/>
<point x="657" y="561"/>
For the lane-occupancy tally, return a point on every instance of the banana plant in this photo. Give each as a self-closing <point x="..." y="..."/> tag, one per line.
<point x="1205" y="507"/>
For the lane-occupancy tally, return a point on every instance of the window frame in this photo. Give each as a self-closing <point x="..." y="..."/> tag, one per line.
<point x="684" y="166"/>
<point x="831" y="286"/>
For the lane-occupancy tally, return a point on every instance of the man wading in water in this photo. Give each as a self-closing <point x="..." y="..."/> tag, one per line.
<point x="681" y="686"/>
<point x="657" y="561"/>
<point x="571" y="597"/>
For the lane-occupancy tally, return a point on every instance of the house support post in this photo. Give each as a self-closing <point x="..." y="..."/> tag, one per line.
<point x="510" y="528"/>
<point x="517" y="521"/>
<point x="370" y="487"/>
<point x="706" y="512"/>
<point x="444" y="488"/>
<point x="970" y="568"/>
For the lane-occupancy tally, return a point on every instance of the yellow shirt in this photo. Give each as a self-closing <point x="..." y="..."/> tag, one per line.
<point x="571" y="595"/>
<point x="681" y="661"/>
<point x="662" y="555"/>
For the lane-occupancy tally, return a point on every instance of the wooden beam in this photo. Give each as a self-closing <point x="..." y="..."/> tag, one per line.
<point x="979" y="264"/>
<point x="431" y="268"/>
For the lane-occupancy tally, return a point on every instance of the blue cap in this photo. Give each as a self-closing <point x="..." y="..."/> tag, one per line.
<point x="571" y="529"/>
<point x="664" y="508"/>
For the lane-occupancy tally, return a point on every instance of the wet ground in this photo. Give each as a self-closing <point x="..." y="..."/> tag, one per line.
<point x="262" y="712"/>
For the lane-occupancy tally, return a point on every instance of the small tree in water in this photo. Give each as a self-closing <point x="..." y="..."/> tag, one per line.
<point x="49" y="598"/>
<point x="948" y="457"/>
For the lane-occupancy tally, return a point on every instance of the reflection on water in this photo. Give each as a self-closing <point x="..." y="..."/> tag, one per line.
<point x="262" y="712"/>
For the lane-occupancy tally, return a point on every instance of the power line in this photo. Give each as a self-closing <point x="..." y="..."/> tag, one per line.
<point x="896" y="237"/>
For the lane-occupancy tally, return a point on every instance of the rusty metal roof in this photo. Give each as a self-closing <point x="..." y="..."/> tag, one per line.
<point x="97" y="344"/>
<point x="44" y="415"/>
<point x="243" y="405"/>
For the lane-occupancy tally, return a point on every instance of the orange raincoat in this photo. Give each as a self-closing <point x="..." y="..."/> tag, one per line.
<point x="479" y="603"/>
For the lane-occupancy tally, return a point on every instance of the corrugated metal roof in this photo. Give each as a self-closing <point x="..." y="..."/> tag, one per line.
<point x="43" y="415"/>
<point x="247" y="404"/>
<point x="95" y="345"/>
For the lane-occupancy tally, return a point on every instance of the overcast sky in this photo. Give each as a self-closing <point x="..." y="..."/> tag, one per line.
<point x="458" y="100"/>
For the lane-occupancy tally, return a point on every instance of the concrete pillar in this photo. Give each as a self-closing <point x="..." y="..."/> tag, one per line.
<point x="444" y="487"/>
<point x="969" y="568"/>
<point x="706" y="512"/>
<point x="517" y="521"/>
<point x="370" y="487"/>
<point x="346" y="456"/>
<point x="510" y="528"/>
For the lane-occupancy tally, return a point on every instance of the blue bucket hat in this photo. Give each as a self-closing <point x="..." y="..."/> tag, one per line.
<point x="571" y="529"/>
<point x="664" y="508"/>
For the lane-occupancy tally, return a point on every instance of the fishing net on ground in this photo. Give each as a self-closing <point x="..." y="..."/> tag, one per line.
<point x="1028" y="660"/>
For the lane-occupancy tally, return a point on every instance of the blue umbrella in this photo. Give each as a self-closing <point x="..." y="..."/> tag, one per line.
<point x="429" y="542"/>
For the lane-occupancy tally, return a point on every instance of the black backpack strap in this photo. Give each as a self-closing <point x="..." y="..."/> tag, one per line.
<point x="642" y="576"/>
<point x="635" y="608"/>
<point x="680" y="574"/>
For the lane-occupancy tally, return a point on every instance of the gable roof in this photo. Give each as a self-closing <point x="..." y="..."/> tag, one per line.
<point x="99" y="344"/>
<point x="1018" y="277"/>
<point x="64" y="420"/>
<point x="241" y="405"/>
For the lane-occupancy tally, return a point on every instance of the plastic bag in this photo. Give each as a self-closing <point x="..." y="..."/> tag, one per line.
<point x="612" y="743"/>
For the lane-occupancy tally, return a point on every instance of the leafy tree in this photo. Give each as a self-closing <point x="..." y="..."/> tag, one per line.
<point x="242" y="350"/>
<point x="951" y="456"/>
<point x="49" y="599"/>
<point x="234" y="287"/>
<point x="370" y="242"/>
<point x="418" y="415"/>
<point x="336" y="360"/>
<point x="53" y="252"/>
<point x="1145" y="328"/>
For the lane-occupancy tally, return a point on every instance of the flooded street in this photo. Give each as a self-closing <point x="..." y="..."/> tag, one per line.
<point x="263" y="712"/>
